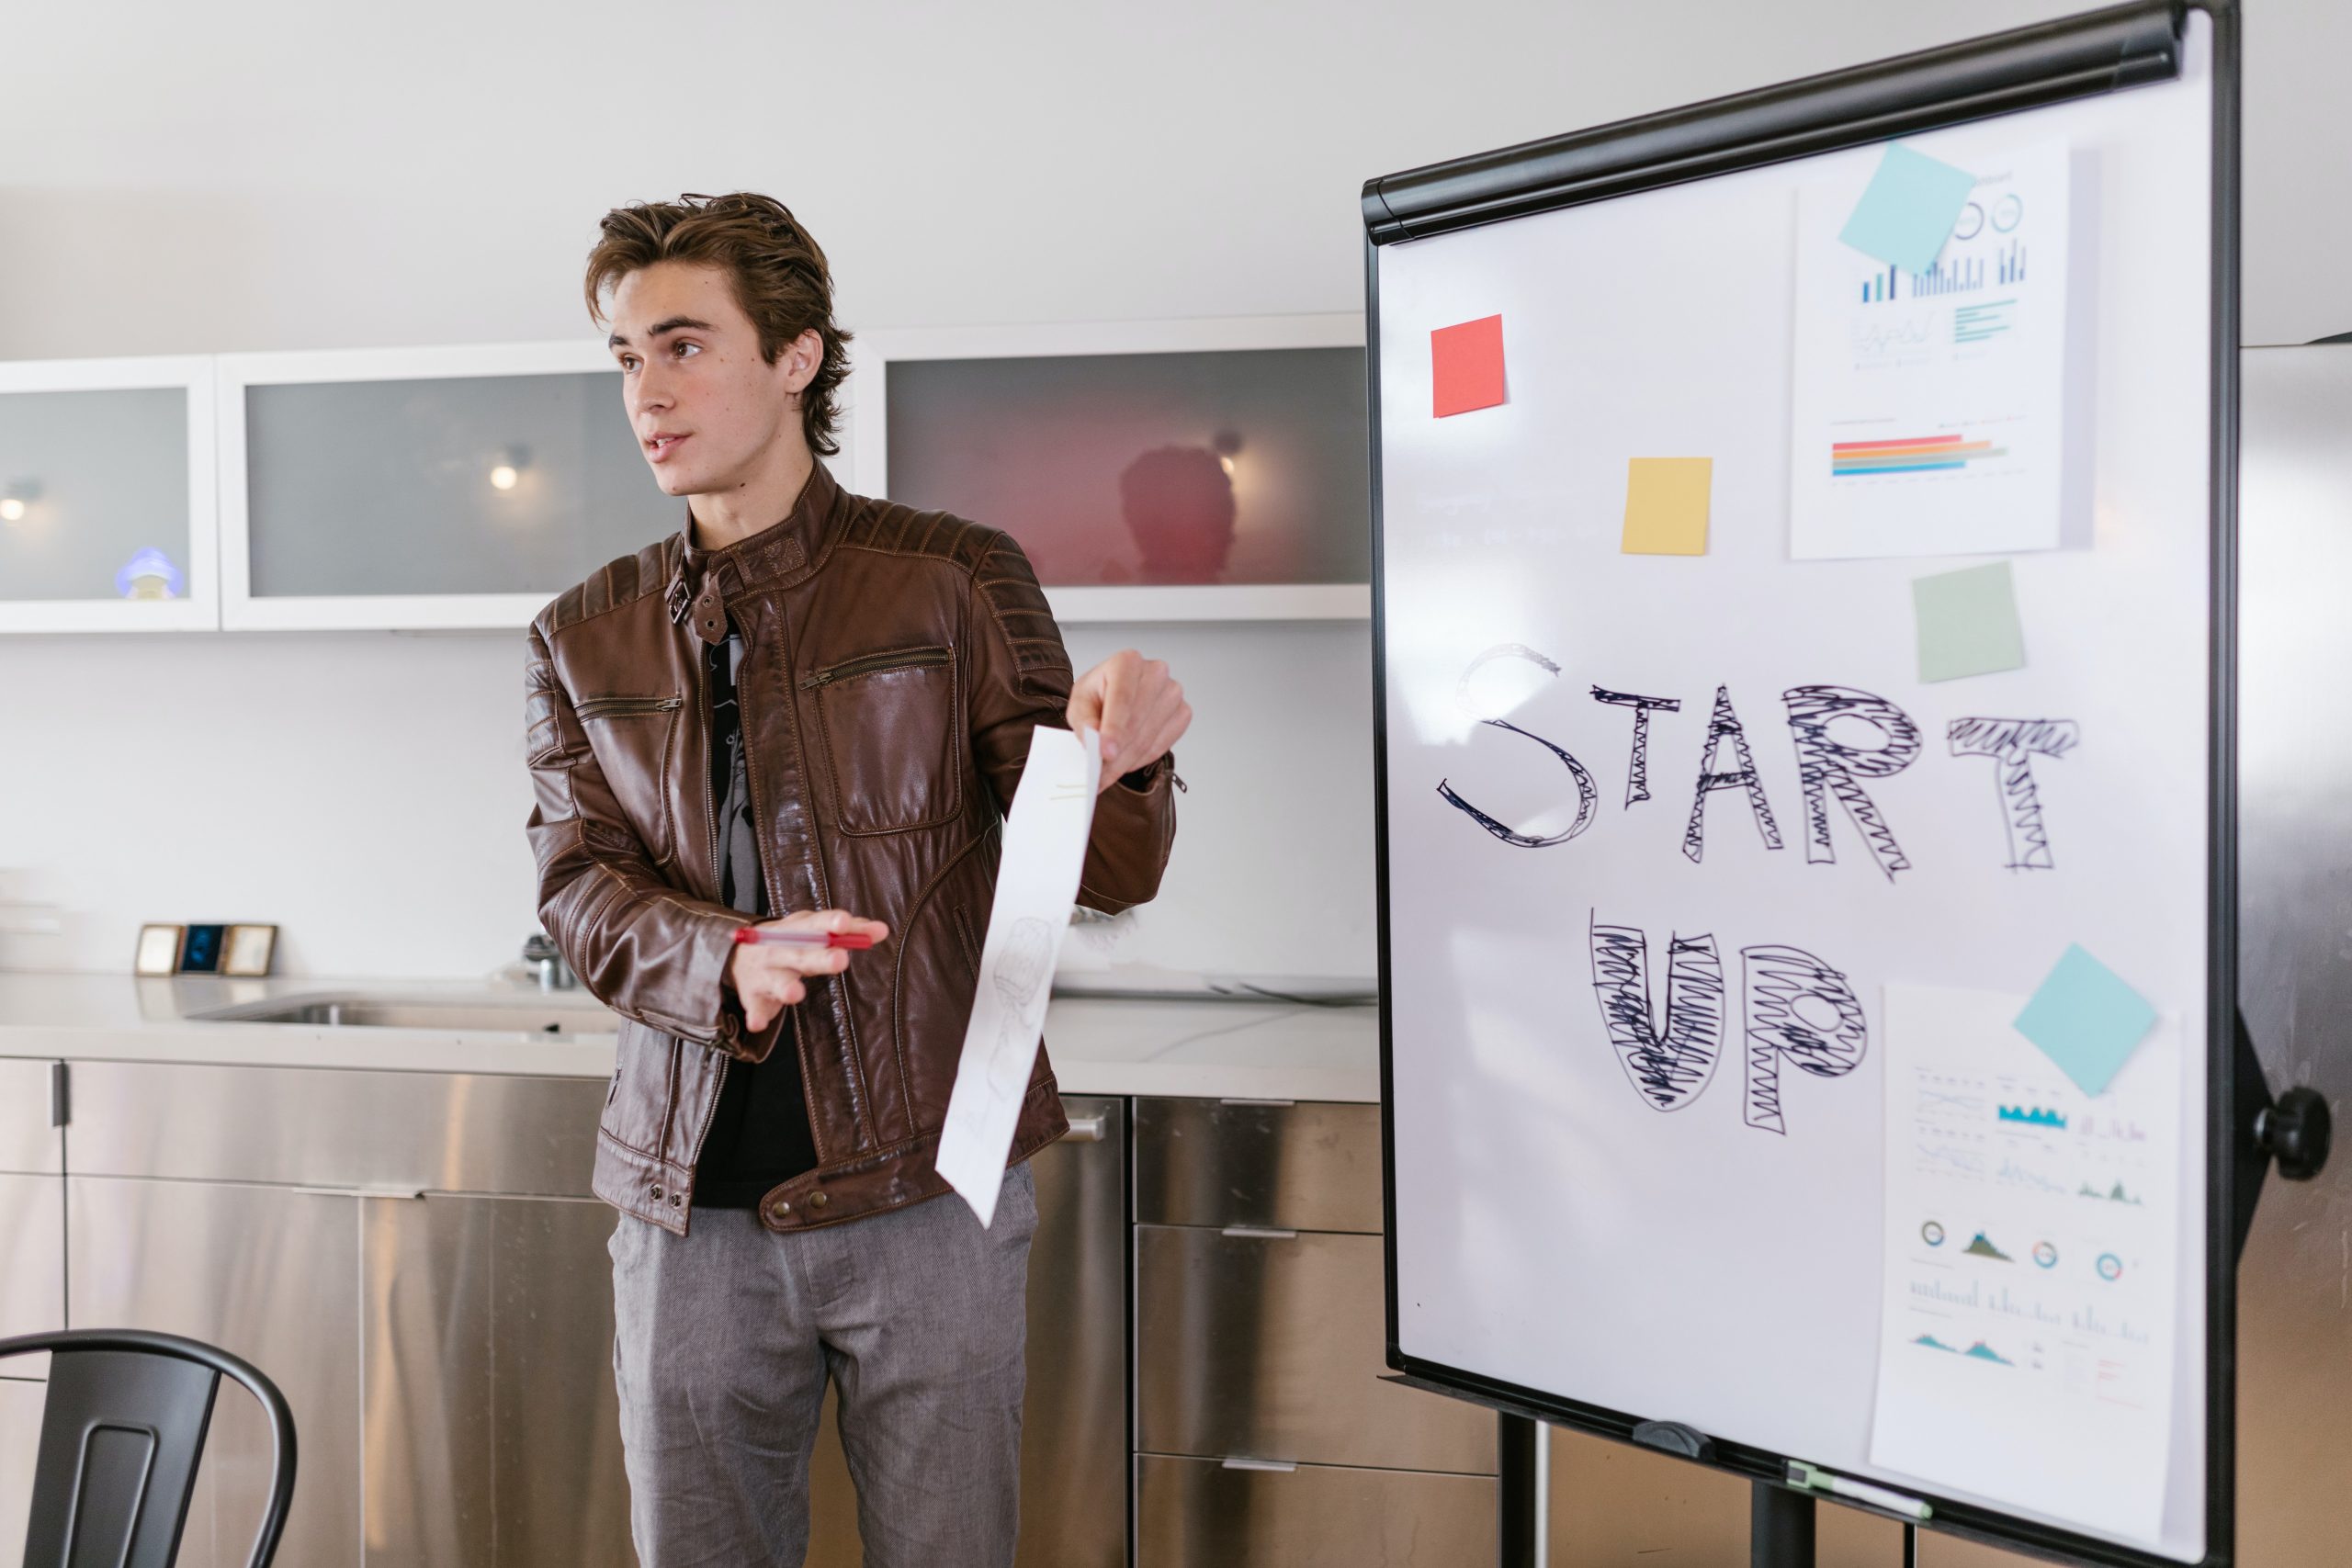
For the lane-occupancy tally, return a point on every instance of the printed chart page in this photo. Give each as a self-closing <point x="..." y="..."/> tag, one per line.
<point x="1930" y="406"/>
<point x="2026" y="1351"/>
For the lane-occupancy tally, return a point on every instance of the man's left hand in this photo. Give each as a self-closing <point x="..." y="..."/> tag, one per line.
<point x="1137" y="710"/>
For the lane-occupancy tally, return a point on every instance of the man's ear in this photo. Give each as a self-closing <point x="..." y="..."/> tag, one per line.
<point x="802" y="357"/>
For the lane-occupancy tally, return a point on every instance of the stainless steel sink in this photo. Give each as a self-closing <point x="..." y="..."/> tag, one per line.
<point x="524" y="1015"/>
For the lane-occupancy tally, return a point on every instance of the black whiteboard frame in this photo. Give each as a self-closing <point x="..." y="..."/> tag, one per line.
<point x="2078" y="57"/>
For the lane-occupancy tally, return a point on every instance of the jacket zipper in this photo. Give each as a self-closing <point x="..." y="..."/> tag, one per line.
<point x="867" y="664"/>
<point x="861" y="1110"/>
<point x="619" y="708"/>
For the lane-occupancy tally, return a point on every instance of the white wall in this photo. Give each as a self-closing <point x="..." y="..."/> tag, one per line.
<point x="366" y="793"/>
<point x="263" y="174"/>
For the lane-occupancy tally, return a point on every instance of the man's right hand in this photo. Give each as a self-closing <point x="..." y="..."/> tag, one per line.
<point x="767" y="976"/>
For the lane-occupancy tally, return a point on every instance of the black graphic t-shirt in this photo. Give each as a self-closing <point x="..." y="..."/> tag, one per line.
<point x="759" y="1135"/>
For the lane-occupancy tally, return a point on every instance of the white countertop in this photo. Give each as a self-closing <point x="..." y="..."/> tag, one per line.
<point x="1099" y="1045"/>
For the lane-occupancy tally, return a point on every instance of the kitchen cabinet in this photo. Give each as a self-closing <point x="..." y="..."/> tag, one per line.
<point x="1199" y="471"/>
<point x="490" y="1432"/>
<point x="1264" y="1433"/>
<point x="268" y="1273"/>
<point x="32" y="1271"/>
<point x="415" y="1259"/>
<point x="108" y="509"/>
<point x="33" y="1211"/>
<point x="421" y="488"/>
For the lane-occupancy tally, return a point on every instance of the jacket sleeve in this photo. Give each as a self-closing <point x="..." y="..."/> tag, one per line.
<point x="641" y="947"/>
<point x="1019" y="677"/>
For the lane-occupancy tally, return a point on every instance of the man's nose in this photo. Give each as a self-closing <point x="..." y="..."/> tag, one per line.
<point x="652" y="393"/>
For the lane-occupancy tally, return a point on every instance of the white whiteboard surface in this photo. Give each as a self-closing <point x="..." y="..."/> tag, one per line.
<point x="1551" y="1229"/>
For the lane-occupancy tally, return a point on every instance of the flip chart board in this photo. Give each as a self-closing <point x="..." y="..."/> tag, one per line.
<point x="1804" y="777"/>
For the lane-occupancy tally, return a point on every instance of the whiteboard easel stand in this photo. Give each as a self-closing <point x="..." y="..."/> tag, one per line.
<point x="2086" y="57"/>
<point x="1779" y="1528"/>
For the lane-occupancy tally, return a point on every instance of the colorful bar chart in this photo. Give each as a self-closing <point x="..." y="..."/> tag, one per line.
<point x="1913" y="455"/>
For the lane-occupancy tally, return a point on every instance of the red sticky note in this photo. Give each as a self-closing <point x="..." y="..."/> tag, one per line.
<point x="1468" y="363"/>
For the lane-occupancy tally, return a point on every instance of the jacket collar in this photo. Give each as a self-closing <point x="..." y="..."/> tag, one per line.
<point x="702" y="581"/>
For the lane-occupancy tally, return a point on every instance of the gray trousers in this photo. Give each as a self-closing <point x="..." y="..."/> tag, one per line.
<point x="723" y="1339"/>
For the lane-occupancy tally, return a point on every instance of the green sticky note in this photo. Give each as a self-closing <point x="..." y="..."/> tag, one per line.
<point x="1666" y="505"/>
<point x="2086" y="1019"/>
<point x="1908" y="209"/>
<point x="1968" y="622"/>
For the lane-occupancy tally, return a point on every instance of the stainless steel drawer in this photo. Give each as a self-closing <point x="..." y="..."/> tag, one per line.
<point x="32" y="1268"/>
<point x="1310" y="1167"/>
<point x="20" y="1412"/>
<point x="338" y="1128"/>
<point x="1195" y="1513"/>
<point x="28" y="1143"/>
<point x="1271" y="1347"/>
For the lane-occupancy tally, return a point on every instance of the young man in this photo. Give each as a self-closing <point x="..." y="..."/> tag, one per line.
<point x="805" y="709"/>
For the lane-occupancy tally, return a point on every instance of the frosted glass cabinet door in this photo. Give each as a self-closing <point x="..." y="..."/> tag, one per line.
<point x="427" y="487"/>
<point x="107" y="496"/>
<point x="1152" y="468"/>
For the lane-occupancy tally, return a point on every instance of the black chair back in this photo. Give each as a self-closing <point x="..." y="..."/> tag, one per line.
<point x="120" y="1435"/>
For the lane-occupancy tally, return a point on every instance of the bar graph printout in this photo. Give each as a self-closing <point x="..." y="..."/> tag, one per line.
<point x="2026" y="1346"/>
<point x="1930" y="406"/>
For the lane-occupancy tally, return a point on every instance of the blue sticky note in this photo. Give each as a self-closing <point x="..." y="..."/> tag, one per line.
<point x="1907" y="212"/>
<point x="2087" y="1020"/>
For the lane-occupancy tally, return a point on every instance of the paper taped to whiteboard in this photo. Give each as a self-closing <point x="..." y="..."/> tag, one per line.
<point x="2026" y="1352"/>
<point x="1929" y="405"/>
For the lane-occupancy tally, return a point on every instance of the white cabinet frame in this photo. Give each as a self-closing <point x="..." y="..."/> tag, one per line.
<point x="199" y="610"/>
<point x="242" y="611"/>
<point x="867" y="446"/>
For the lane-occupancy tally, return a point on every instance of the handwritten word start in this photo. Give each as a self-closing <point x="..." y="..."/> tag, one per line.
<point x="1828" y="767"/>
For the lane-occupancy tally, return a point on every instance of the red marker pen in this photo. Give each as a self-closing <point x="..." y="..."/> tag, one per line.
<point x="754" y="935"/>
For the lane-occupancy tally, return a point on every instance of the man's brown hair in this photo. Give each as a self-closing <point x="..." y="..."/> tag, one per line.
<point x="780" y="276"/>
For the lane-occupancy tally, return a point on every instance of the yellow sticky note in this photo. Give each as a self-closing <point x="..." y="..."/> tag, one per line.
<point x="1666" y="505"/>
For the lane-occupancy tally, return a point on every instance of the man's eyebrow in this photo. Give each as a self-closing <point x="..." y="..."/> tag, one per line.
<point x="674" y="324"/>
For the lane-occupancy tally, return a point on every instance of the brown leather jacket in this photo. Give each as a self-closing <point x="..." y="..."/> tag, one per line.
<point x="894" y="664"/>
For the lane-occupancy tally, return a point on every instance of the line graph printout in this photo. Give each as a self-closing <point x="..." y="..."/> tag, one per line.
<point x="1929" y="407"/>
<point x="2026" y="1349"/>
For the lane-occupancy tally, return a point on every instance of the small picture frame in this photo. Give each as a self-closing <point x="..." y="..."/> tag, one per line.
<point x="200" y="951"/>
<point x="159" y="950"/>
<point x="248" y="950"/>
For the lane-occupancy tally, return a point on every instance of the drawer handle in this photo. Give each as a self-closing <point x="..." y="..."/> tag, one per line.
<point x="1246" y="1100"/>
<point x="1260" y="1233"/>
<point x="1280" y="1466"/>
<point x="1089" y="1129"/>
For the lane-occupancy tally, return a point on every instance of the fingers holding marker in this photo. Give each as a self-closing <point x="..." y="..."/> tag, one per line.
<point x="766" y="973"/>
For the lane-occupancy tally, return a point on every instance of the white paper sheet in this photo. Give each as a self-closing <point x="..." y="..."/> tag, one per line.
<point x="1036" y="882"/>
<point x="2026" y="1348"/>
<point x="1930" y="408"/>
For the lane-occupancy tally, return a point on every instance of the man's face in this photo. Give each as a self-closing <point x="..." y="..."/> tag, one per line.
<point x="707" y="411"/>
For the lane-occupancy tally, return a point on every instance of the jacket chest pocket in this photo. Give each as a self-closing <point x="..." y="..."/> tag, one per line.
<point x="635" y="739"/>
<point x="891" y="724"/>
